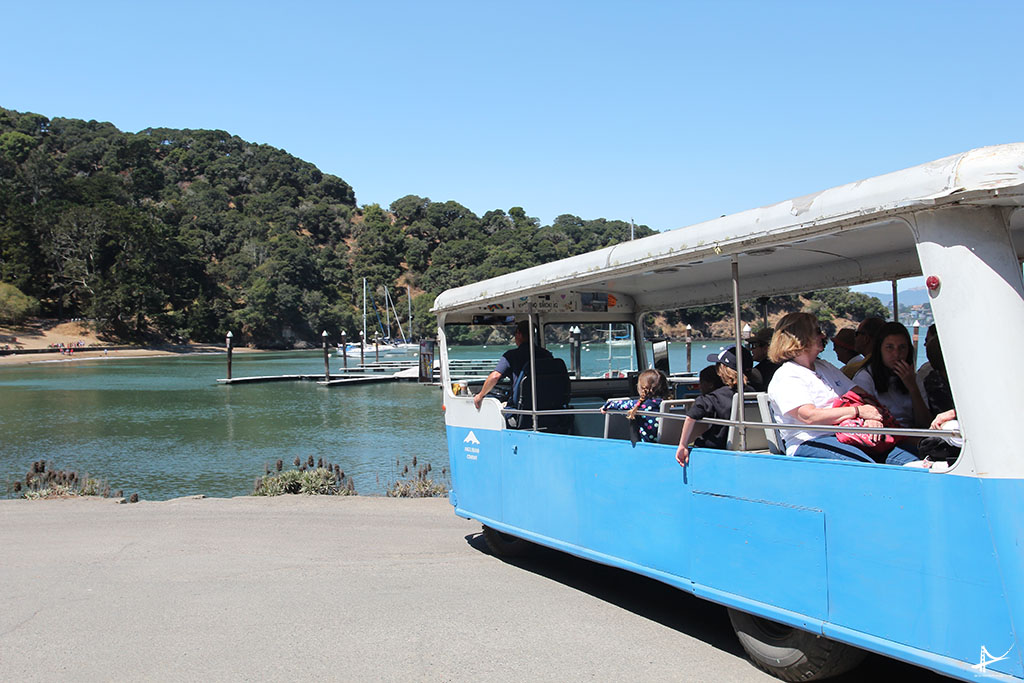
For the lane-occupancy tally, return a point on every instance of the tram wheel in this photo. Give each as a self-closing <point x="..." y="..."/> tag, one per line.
<point x="503" y="545"/>
<point x="789" y="653"/>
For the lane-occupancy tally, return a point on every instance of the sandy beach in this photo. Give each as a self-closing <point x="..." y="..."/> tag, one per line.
<point x="43" y="335"/>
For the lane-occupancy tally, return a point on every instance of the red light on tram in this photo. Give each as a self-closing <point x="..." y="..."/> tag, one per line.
<point x="932" y="283"/>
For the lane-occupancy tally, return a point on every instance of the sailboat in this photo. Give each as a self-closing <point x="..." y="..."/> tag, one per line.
<point x="402" y="343"/>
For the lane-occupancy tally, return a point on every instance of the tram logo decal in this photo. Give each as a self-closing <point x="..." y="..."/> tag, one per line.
<point x="471" y="449"/>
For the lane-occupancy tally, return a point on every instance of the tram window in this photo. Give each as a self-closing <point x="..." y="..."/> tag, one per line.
<point x="474" y="350"/>
<point x="606" y="350"/>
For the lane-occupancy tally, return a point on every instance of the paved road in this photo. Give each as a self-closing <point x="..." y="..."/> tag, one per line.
<point x="303" y="588"/>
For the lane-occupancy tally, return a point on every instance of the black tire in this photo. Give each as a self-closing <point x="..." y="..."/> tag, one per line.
<point x="789" y="653"/>
<point x="504" y="545"/>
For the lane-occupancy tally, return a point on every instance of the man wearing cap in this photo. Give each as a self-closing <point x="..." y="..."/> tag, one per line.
<point x="717" y="404"/>
<point x="512" y="363"/>
<point x="759" y="349"/>
<point x="864" y="341"/>
<point x="843" y="343"/>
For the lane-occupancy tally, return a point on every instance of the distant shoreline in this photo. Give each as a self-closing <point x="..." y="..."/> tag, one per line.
<point x="111" y="353"/>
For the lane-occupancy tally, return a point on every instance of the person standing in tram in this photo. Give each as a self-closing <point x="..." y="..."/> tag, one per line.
<point x="804" y="389"/>
<point x="512" y="363"/>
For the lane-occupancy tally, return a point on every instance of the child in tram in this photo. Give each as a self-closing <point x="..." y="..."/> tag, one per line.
<point x="652" y="385"/>
<point x="717" y="404"/>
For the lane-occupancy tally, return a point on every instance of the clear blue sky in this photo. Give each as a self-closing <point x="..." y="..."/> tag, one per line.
<point x="666" y="112"/>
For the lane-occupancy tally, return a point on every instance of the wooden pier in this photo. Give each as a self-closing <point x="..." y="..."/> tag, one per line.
<point x="368" y="373"/>
<point x="403" y="370"/>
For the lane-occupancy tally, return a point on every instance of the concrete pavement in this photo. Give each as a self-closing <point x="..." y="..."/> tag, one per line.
<point x="304" y="588"/>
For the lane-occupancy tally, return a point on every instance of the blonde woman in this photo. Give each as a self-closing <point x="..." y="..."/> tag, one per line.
<point x="803" y="389"/>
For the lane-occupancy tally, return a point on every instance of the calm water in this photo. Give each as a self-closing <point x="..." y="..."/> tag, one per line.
<point x="163" y="427"/>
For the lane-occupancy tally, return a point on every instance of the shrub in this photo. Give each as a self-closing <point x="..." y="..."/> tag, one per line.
<point x="420" y="485"/>
<point x="15" y="307"/>
<point x="43" y="481"/>
<point x="328" y="480"/>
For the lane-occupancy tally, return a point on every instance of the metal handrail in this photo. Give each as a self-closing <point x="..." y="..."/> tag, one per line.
<point x="894" y="431"/>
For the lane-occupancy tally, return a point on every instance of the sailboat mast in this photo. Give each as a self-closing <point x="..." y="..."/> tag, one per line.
<point x="408" y="298"/>
<point x="364" y="310"/>
<point x="391" y="302"/>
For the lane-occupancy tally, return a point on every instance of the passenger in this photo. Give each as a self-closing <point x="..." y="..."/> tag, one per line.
<point x="844" y="345"/>
<point x="512" y="363"/>
<point x="864" y="341"/>
<point x="717" y="404"/>
<point x="889" y="376"/>
<point x="936" y="383"/>
<point x="926" y="367"/>
<point x="804" y="388"/>
<point x="765" y="367"/>
<point x="652" y="385"/>
<point x="709" y="380"/>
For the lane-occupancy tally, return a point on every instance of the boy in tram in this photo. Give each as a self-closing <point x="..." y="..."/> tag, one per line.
<point x="717" y="404"/>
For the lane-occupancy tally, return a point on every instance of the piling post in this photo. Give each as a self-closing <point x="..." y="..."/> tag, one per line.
<point x="917" y="331"/>
<point x="228" y="342"/>
<point x="689" y="343"/>
<point x="376" y="349"/>
<point x="362" y="349"/>
<point x="327" y="362"/>
<point x="344" y="350"/>
<point x="576" y="358"/>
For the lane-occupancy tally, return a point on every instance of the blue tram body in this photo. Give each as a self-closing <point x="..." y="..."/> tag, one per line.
<point x="890" y="559"/>
<point x="924" y="566"/>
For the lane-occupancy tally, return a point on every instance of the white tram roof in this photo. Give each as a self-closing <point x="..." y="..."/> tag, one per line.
<point x="847" y="235"/>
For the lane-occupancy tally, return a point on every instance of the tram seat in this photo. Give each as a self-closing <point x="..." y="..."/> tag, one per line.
<point x="588" y="424"/>
<point x="670" y="430"/>
<point x="776" y="444"/>
<point x="616" y="425"/>
<point x="757" y="438"/>
<point x="554" y="388"/>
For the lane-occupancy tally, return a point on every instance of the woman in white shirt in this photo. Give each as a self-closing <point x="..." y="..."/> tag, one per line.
<point x="803" y="389"/>
<point x="890" y="377"/>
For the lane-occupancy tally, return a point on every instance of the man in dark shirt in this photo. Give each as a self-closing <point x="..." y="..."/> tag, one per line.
<point x="512" y="363"/>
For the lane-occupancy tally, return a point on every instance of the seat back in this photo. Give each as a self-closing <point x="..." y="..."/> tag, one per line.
<point x="554" y="388"/>
<point x="774" y="436"/>
<point x="757" y="438"/>
<point x="669" y="431"/>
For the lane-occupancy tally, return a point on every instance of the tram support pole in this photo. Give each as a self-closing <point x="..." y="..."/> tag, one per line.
<point x="533" y="367"/>
<point x="741" y="385"/>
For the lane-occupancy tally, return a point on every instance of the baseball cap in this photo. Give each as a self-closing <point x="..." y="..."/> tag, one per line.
<point x="727" y="357"/>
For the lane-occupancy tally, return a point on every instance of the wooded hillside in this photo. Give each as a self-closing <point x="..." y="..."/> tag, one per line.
<point x="185" y="234"/>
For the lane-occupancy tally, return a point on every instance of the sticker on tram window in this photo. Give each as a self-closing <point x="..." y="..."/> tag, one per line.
<point x="596" y="302"/>
<point x="494" y="319"/>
